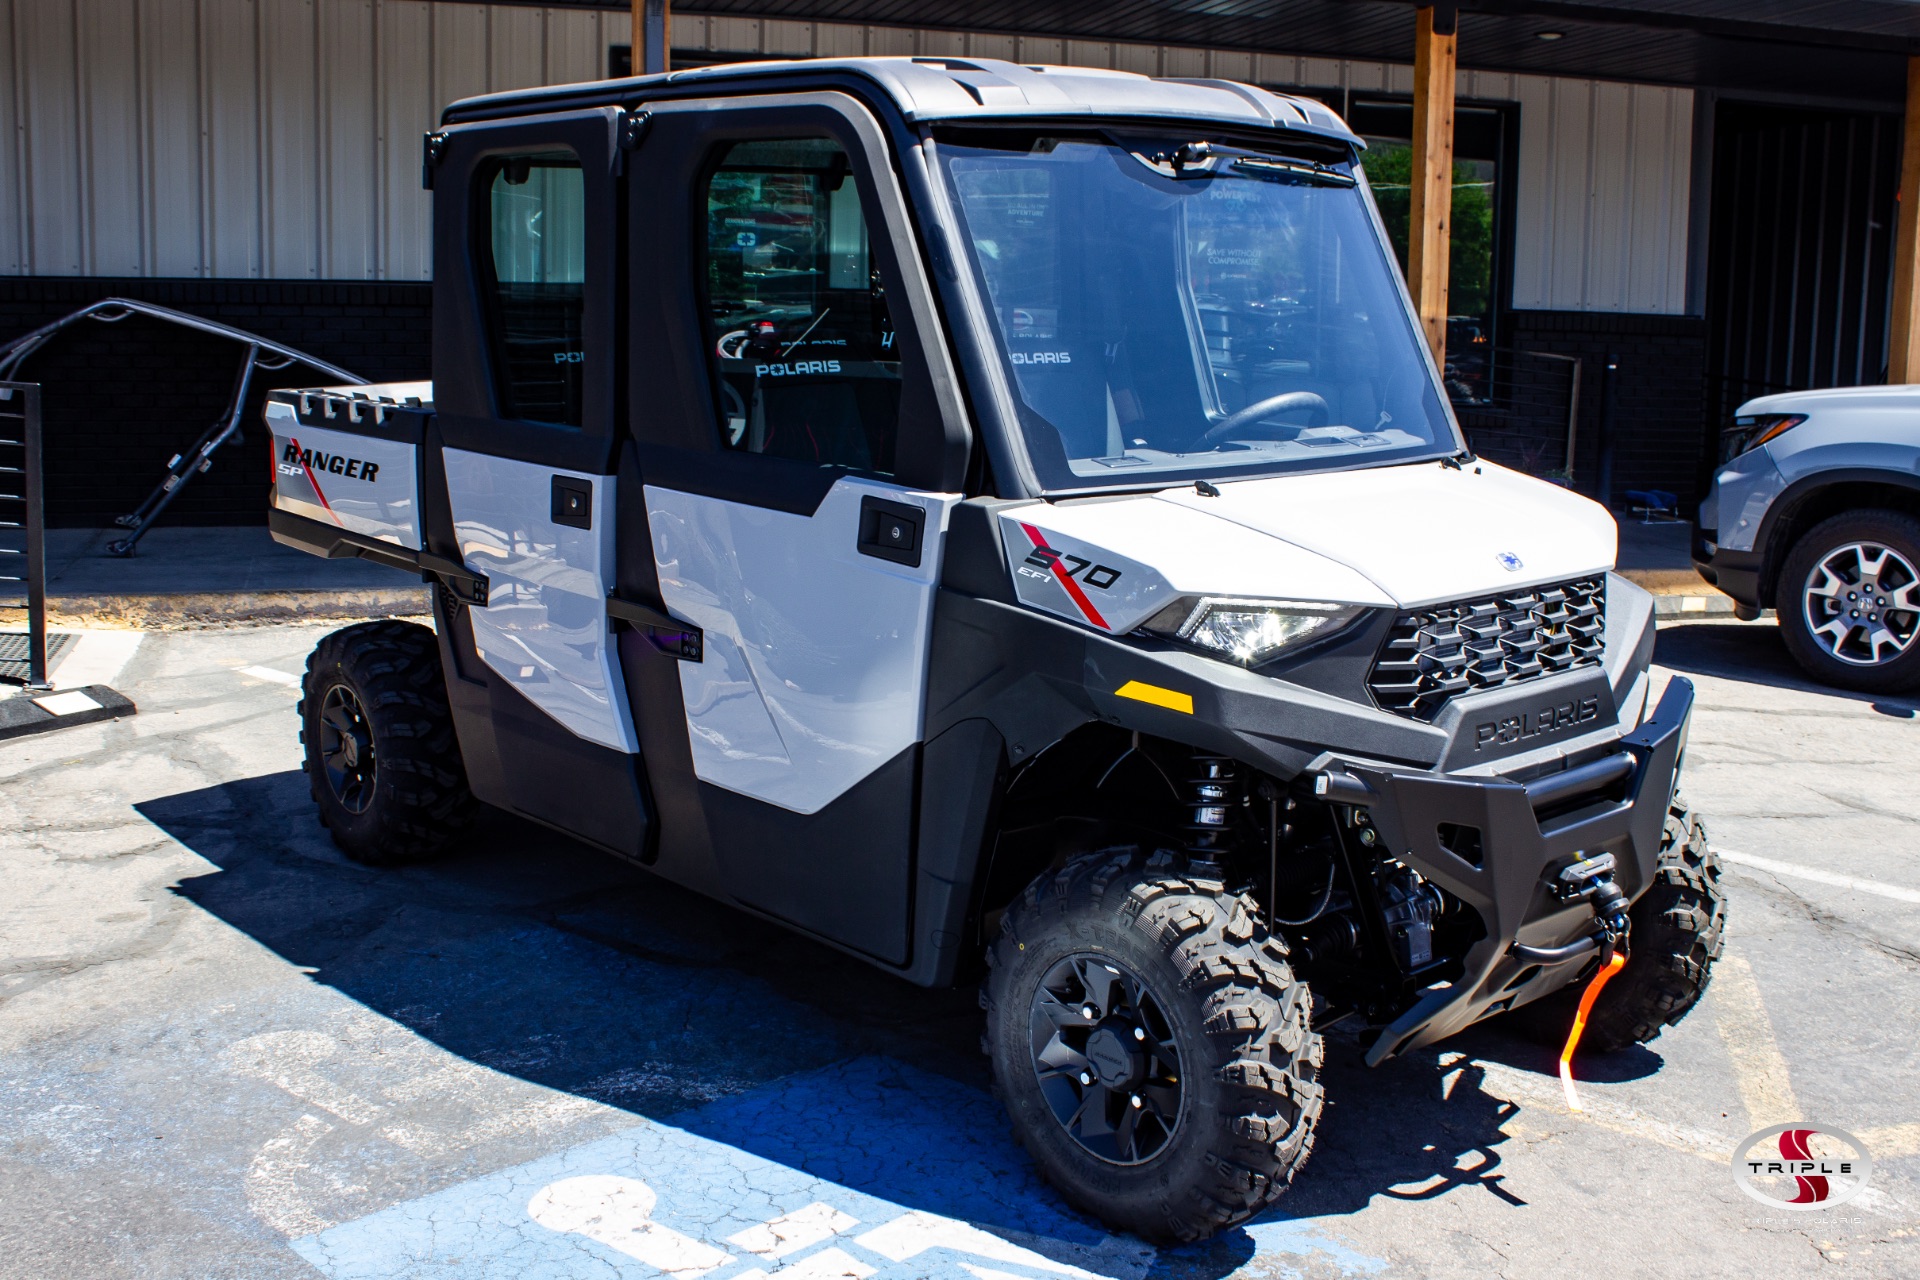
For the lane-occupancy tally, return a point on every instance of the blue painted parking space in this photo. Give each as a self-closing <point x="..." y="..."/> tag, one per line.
<point x="868" y="1168"/>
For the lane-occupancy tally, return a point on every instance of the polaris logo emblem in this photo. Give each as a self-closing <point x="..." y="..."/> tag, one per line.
<point x="1533" y="724"/>
<point x="1510" y="562"/>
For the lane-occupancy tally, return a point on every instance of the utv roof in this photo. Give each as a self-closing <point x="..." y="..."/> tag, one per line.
<point x="948" y="89"/>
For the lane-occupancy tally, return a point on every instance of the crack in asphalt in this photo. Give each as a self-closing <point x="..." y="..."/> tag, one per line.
<point x="1828" y="922"/>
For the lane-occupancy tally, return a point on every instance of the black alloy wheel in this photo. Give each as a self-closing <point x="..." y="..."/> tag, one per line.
<point x="1151" y="1045"/>
<point x="380" y="752"/>
<point x="1105" y="1057"/>
<point x="346" y="747"/>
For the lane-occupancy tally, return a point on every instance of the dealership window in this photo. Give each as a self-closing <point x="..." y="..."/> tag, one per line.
<point x="1477" y="265"/>
<point x="534" y="271"/>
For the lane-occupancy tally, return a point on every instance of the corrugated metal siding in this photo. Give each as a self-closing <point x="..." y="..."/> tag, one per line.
<point x="280" y="138"/>
<point x="249" y="138"/>
<point x="1605" y="171"/>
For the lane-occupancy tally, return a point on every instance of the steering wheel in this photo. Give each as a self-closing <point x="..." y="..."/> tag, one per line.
<point x="1316" y="405"/>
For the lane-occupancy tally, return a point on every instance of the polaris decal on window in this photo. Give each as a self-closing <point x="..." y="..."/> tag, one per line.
<point x="788" y="370"/>
<point x="356" y="482"/>
<point x="1043" y="357"/>
<point x="1061" y="575"/>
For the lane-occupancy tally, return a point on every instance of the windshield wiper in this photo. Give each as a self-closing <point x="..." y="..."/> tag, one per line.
<point x="1322" y="175"/>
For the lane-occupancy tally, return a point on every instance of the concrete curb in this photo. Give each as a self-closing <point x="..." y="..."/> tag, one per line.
<point x="191" y="610"/>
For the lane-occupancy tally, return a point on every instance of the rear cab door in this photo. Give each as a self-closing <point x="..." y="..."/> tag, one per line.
<point x="800" y="444"/>
<point x="519" y="483"/>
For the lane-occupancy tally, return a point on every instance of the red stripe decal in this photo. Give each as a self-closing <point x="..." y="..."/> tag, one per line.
<point x="313" y="480"/>
<point x="1067" y="584"/>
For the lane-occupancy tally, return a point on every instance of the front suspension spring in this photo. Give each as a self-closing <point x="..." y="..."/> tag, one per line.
<point x="1211" y="790"/>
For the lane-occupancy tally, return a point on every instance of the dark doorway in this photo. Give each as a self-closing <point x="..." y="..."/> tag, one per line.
<point x="1800" y="255"/>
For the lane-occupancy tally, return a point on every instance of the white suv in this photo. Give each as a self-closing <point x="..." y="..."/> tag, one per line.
<point x="1815" y="513"/>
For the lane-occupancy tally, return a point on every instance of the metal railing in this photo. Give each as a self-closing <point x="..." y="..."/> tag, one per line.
<point x="23" y="515"/>
<point x="1520" y="407"/>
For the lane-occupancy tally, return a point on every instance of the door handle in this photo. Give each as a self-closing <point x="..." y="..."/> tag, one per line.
<point x="890" y="530"/>
<point x="663" y="631"/>
<point x="572" y="502"/>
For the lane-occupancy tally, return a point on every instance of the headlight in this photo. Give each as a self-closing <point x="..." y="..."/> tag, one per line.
<point x="1751" y="430"/>
<point x="1247" y="631"/>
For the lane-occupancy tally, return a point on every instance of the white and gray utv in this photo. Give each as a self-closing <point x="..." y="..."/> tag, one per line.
<point x="1002" y="521"/>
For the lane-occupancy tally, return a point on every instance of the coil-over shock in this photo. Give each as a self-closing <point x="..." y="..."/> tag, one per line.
<point x="1212" y="789"/>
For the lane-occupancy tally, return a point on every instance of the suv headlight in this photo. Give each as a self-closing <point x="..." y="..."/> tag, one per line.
<point x="1247" y="631"/>
<point x="1751" y="430"/>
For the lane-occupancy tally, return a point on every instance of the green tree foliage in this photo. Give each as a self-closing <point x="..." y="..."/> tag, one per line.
<point x="1470" y="261"/>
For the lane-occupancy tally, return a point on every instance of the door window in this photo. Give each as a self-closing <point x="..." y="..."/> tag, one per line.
<point x="804" y="359"/>
<point x="533" y="269"/>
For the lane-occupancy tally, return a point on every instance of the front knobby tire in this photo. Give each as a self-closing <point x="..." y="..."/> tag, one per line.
<point x="380" y="755"/>
<point x="1151" y="1044"/>
<point x="1679" y="928"/>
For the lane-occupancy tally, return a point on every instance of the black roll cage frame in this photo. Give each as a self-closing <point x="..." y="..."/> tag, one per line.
<point x="259" y="353"/>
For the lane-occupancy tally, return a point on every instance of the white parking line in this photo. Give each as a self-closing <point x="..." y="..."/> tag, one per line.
<point x="97" y="657"/>
<point x="271" y="676"/>
<point x="1875" y="887"/>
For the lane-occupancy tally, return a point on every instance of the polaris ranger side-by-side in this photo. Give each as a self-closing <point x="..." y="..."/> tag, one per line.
<point x="1004" y="519"/>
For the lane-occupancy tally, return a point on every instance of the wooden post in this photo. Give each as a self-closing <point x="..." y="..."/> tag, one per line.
<point x="1430" y="215"/>
<point x="1903" y="343"/>
<point x="652" y="36"/>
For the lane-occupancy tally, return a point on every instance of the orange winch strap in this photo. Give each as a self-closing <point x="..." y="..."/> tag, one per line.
<point x="1592" y="993"/>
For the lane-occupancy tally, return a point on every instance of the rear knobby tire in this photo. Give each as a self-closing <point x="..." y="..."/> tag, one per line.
<point x="1228" y="1002"/>
<point x="1679" y="927"/>
<point x="384" y="678"/>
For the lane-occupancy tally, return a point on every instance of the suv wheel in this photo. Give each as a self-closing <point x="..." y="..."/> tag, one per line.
<point x="1849" y="601"/>
<point x="1151" y="1045"/>
<point x="380" y="754"/>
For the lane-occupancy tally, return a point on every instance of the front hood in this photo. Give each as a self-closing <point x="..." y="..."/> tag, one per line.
<point x="1391" y="536"/>
<point x="1426" y="532"/>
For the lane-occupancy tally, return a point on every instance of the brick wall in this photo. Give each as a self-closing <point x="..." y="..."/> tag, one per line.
<point x="1658" y="427"/>
<point x="122" y="398"/>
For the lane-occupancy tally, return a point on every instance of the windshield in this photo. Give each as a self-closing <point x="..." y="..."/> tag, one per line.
<point x="1173" y="312"/>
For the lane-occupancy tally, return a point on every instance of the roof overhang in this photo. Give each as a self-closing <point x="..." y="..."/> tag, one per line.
<point x="1841" y="49"/>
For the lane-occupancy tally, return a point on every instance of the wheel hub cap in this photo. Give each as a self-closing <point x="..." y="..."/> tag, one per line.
<point x="1114" y="1065"/>
<point x="1105" y="1059"/>
<point x="1862" y="603"/>
<point x="346" y="748"/>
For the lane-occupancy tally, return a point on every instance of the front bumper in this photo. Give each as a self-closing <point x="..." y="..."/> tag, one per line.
<point x="1528" y="833"/>
<point x="1737" y="573"/>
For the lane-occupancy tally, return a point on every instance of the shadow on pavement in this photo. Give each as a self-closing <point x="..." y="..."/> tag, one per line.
<point x="532" y="955"/>
<point x="1753" y="653"/>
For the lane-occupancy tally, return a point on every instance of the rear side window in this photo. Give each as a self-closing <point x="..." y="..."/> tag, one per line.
<point x="533" y="271"/>
<point x="804" y="359"/>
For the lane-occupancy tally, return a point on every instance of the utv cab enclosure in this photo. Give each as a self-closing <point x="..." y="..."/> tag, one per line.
<point x="1004" y="522"/>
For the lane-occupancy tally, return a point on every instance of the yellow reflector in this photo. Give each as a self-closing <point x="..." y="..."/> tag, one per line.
<point x="1153" y="693"/>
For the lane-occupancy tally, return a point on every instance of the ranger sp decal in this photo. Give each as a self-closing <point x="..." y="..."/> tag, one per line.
<point x="305" y="458"/>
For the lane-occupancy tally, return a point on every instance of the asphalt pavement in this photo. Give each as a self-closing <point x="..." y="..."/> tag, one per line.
<point x="226" y="1051"/>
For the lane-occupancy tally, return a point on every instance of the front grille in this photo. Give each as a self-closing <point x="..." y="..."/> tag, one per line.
<point x="1436" y="654"/>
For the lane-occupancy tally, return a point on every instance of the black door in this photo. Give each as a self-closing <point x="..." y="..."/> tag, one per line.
<point x="1800" y="262"/>
<point x="796" y="456"/>
<point x="527" y="255"/>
